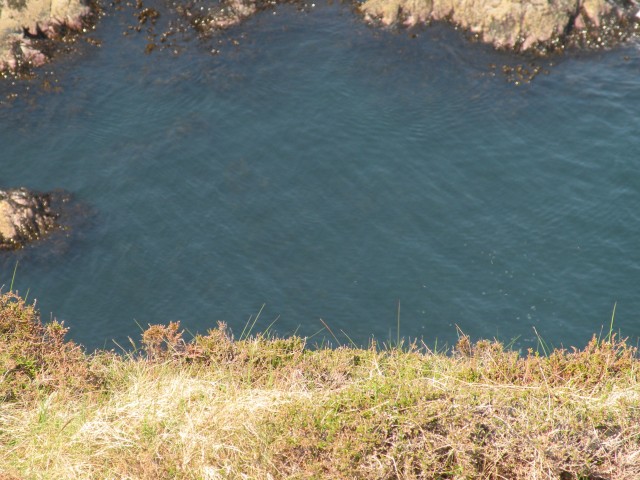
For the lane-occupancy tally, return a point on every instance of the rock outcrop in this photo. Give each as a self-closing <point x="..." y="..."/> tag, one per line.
<point x="24" y="217"/>
<point x="224" y="14"/>
<point x="521" y="25"/>
<point x="25" y="23"/>
<point x="206" y="17"/>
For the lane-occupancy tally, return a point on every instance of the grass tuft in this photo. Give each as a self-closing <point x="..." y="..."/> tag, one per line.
<point x="268" y="407"/>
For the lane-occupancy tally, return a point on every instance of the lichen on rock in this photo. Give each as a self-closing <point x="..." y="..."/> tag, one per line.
<point x="520" y="25"/>
<point x="24" y="22"/>
<point x="25" y="216"/>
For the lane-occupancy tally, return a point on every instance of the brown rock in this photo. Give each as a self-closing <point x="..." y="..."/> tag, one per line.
<point x="512" y="24"/>
<point x="21" y="20"/>
<point x="24" y="216"/>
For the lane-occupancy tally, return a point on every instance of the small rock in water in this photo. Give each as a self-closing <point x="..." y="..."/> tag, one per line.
<point x="25" y="216"/>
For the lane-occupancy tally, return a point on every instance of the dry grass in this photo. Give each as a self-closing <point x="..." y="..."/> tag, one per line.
<point x="270" y="408"/>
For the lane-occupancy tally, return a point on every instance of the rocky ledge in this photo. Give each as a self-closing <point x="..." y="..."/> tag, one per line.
<point x="24" y="24"/>
<point x="538" y="26"/>
<point x="24" y="216"/>
<point x="535" y="26"/>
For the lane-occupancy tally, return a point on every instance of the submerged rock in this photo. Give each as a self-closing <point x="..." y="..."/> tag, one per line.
<point x="171" y="28"/>
<point x="24" y="217"/>
<point x="24" y="24"/>
<point x="520" y="25"/>
<point x="229" y="13"/>
<point x="206" y="17"/>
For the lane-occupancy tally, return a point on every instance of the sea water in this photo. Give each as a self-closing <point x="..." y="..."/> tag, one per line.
<point x="317" y="171"/>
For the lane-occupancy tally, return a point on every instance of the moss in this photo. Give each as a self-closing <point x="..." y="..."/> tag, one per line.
<point x="17" y="4"/>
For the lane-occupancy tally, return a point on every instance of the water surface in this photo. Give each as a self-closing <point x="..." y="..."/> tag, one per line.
<point x="329" y="170"/>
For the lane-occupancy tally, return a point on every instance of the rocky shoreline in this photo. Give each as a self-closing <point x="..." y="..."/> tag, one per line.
<point x="531" y="26"/>
<point x="26" y="26"/>
<point x="538" y="26"/>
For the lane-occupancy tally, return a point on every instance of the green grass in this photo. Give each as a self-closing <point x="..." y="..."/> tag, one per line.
<point x="267" y="408"/>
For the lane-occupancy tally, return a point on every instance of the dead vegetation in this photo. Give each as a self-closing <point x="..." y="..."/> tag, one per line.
<point x="264" y="407"/>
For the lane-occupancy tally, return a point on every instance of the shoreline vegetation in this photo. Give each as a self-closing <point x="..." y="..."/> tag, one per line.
<point x="267" y="408"/>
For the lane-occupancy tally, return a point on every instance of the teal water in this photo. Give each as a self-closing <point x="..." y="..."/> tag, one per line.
<point x="329" y="170"/>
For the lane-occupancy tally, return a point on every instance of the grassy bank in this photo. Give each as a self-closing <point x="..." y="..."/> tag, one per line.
<point x="269" y="408"/>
